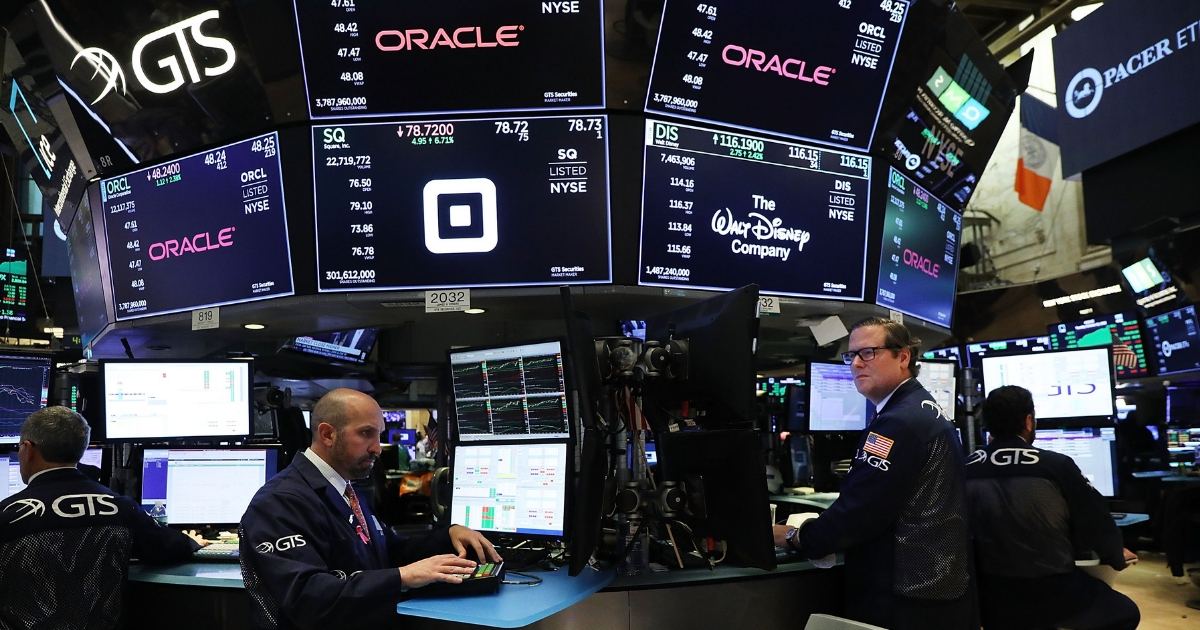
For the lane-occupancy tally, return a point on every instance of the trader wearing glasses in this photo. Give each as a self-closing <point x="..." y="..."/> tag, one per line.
<point x="901" y="519"/>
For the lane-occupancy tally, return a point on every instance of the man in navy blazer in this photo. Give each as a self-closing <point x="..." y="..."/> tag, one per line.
<point x="314" y="556"/>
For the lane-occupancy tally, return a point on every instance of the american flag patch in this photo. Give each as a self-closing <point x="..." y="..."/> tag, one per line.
<point x="878" y="445"/>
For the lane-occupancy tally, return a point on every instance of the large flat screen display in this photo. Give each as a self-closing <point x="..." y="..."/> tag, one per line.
<point x="511" y="488"/>
<point x="1121" y="330"/>
<point x="1094" y="450"/>
<point x="456" y="203"/>
<point x="24" y="388"/>
<point x="1021" y="345"/>
<point x="1064" y="384"/>
<point x="204" y="486"/>
<point x="378" y="58"/>
<point x="814" y="70"/>
<point x="1176" y="345"/>
<point x="834" y="403"/>
<point x="148" y="400"/>
<point x="511" y="392"/>
<point x="201" y="231"/>
<point x="918" y="266"/>
<point x="87" y="255"/>
<point x="722" y="210"/>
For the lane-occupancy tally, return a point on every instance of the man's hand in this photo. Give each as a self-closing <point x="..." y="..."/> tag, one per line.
<point x="780" y="533"/>
<point x="461" y="537"/>
<point x="444" y="568"/>
<point x="191" y="533"/>
<point x="1130" y="557"/>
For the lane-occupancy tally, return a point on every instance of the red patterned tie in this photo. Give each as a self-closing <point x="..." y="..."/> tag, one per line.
<point x="362" y="522"/>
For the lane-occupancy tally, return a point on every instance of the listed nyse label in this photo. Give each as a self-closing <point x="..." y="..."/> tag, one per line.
<point x="721" y="210"/>
<point x="201" y="231"/>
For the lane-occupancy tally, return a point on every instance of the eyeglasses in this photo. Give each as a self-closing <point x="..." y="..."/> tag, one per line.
<point x="866" y="354"/>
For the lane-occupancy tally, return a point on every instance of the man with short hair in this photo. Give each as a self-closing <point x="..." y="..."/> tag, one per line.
<point x="1031" y="509"/>
<point x="65" y="541"/>
<point x="901" y="518"/>
<point x="313" y="555"/>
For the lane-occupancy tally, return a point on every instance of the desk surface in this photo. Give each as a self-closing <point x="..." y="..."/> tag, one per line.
<point x="212" y="574"/>
<point x="818" y="499"/>
<point x="515" y="605"/>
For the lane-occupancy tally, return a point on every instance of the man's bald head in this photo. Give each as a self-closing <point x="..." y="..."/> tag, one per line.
<point x="346" y="426"/>
<point x="337" y="407"/>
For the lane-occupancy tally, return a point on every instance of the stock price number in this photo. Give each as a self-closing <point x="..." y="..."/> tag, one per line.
<point x="362" y="228"/>
<point x="694" y="80"/>
<point x="698" y="57"/>
<point x="684" y="250"/>
<point x="588" y="124"/>
<point x="679" y="204"/>
<point x="361" y="206"/>
<point x="428" y="129"/>
<point x="707" y="10"/>
<point x="139" y="284"/>
<point x="346" y="27"/>
<point x="705" y="34"/>
<point x="135" y="264"/>
<point x="350" y="275"/>
<point x="519" y="128"/>
<point x="352" y="77"/>
<point x="131" y="225"/>
<point x="365" y="252"/>
<point x="163" y="171"/>
<point x="683" y="182"/>
<point x="352" y="52"/>
<point x="675" y="226"/>
<point x="857" y="163"/>
<point x="363" y="183"/>
<point x="134" y="244"/>
<point x="348" y="5"/>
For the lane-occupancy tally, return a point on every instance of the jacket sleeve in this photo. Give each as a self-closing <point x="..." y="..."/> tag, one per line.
<point x="283" y="542"/>
<point x="872" y="496"/>
<point x="1093" y="527"/>
<point x="153" y="543"/>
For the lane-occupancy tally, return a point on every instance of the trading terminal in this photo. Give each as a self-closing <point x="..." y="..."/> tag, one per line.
<point x="597" y="262"/>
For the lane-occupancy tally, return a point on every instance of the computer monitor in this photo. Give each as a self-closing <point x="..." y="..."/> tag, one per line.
<point x="723" y="473"/>
<point x="834" y="404"/>
<point x="1094" y="450"/>
<point x="93" y="457"/>
<point x="403" y="437"/>
<point x="344" y="345"/>
<point x="511" y="488"/>
<point x="510" y="392"/>
<point x="24" y="388"/>
<point x="938" y="378"/>
<point x="1000" y="347"/>
<point x="155" y="400"/>
<point x="394" y="416"/>
<point x="307" y="413"/>
<point x="205" y="486"/>
<point x="12" y="476"/>
<point x="1121" y="330"/>
<point x="1175" y="338"/>
<point x="1074" y="385"/>
<point x="951" y="352"/>
<point x="722" y="338"/>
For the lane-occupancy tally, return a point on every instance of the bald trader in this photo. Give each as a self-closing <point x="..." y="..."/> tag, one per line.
<point x="314" y="556"/>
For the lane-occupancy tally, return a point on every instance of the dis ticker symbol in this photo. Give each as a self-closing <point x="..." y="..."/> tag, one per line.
<point x="106" y="66"/>
<point x="460" y="216"/>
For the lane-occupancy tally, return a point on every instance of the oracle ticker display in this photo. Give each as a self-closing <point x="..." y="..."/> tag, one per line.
<point x="380" y="58"/>
<point x="918" y="263"/>
<point x="814" y="70"/>
<point x="201" y="231"/>
<point x="722" y="210"/>
<point x="462" y="203"/>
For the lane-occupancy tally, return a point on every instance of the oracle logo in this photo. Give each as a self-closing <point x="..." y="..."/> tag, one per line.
<point x="465" y="37"/>
<point x="735" y="55"/>
<point x="201" y="242"/>
<point x="913" y="259"/>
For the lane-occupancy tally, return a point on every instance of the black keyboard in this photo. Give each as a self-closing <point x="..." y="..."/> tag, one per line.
<point x="783" y="556"/>
<point x="217" y="552"/>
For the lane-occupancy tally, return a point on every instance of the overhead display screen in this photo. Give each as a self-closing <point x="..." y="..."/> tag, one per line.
<point x="977" y="351"/>
<point x="379" y="58"/>
<point x="1121" y="330"/>
<point x="720" y="211"/>
<point x="93" y="295"/>
<point x="1174" y="335"/>
<point x="814" y="70"/>
<point x="460" y="203"/>
<point x="201" y="231"/>
<point x="918" y="266"/>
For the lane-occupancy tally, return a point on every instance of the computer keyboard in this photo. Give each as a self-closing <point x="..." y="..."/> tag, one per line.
<point x="223" y="551"/>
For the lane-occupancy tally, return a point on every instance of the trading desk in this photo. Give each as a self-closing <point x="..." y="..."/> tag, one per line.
<point x="208" y="595"/>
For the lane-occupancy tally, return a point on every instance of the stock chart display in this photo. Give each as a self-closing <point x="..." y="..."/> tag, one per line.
<point x="378" y="58"/>
<point x="437" y="204"/>
<point x="721" y="210"/>
<point x="203" y="230"/>
<point x="918" y="265"/>
<point x="510" y="393"/>
<point x="24" y="388"/>
<point x="813" y="70"/>
<point x="1176" y="344"/>
<point x="14" y="288"/>
<point x="1121" y="330"/>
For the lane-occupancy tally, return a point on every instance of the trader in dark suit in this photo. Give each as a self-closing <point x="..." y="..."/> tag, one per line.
<point x="901" y="518"/>
<point x="65" y="541"/>
<point x="314" y="556"/>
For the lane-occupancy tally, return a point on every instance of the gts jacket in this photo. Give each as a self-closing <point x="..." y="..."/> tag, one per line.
<point x="901" y="518"/>
<point x="65" y="543"/>
<point x="305" y="565"/>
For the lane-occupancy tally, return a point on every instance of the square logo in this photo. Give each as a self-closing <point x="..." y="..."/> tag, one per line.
<point x="939" y="81"/>
<point x="954" y="97"/>
<point x="972" y="113"/>
<point x="460" y="216"/>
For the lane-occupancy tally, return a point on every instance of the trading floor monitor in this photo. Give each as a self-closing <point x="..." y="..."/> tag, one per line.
<point x="834" y="403"/>
<point x="155" y="400"/>
<point x="516" y="392"/>
<point x="1094" y="450"/>
<point x="24" y="388"/>
<point x="205" y="486"/>
<point x="512" y="488"/>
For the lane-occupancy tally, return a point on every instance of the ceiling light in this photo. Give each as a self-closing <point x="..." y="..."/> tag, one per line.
<point x="474" y="311"/>
<point x="254" y="326"/>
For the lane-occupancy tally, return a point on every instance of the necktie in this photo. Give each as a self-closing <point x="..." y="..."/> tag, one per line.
<point x="362" y="521"/>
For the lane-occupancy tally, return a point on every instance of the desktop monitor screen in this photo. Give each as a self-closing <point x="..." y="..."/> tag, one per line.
<point x="1021" y="345"/>
<point x="205" y="486"/>
<point x="511" y="488"/>
<point x="1064" y="384"/>
<point x="1094" y="451"/>
<point x="938" y="378"/>
<point x="510" y="392"/>
<point x="344" y="345"/>
<point x="1172" y="335"/>
<point x="24" y="388"/>
<point x="1121" y="330"/>
<point x="834" y="404"/>
<point x="11" y="483"/>
<point x="953" y="353"/>
<point x="93" y="457"/>
<point x="394" y="416"/>
<point x="403" y="437"/>
<point x="149" y="400"/>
